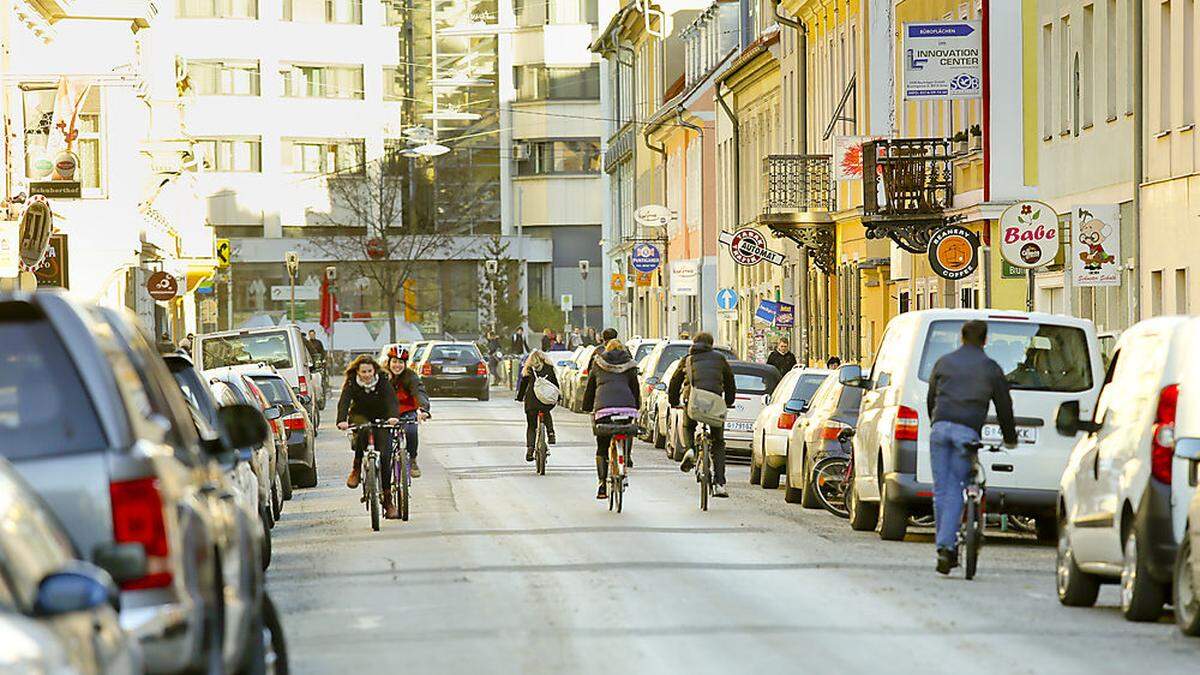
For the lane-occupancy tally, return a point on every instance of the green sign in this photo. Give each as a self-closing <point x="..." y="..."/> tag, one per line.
<point x="1008" y="271"/>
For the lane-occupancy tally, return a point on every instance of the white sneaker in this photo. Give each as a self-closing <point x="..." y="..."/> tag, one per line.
<point x="719" y="491"/>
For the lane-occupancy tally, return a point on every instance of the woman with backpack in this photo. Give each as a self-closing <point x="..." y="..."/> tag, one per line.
<point x="538" y="388"/>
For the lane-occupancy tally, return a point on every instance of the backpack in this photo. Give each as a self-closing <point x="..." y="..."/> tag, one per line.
<point x="545" y="390"/>
<point x="703" y="405"/>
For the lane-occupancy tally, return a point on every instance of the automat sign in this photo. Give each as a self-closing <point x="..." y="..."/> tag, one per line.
<point x="748" y="247"/>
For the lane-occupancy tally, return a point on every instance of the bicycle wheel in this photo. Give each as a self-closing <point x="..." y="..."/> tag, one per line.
<point x="829" y="485"/>
<point x="705" y="477"/>
<point x="972" y="537"/>
<point x="373" y="495"/>
<point x="541" y="449"/>
<point x="406" y="485"/>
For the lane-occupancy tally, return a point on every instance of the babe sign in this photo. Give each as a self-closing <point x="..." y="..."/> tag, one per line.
<point x="1029" y="234"/>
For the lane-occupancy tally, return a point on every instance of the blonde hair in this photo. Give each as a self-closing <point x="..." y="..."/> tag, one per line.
<point x="536" y="359"/>
<point x="613" y="345"/>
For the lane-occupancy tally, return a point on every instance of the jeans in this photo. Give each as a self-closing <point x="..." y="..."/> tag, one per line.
<point x="717" y="434"/>
<point x="952" y="463"/>
<point x="531" y="419"/>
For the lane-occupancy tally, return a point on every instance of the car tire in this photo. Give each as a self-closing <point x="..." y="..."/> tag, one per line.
<point x="1075" y="587"/>
<point x="1142" y="598"/>
<point x="265" y="553"/>
<point x="212" y="642"/>
<point x="305" y="476"/>
<point x="768" y="476"/>
<point x="755" y="470"/>
<point x="809" y="500"/>
<point x="266" y="649"/>
<point x="1186" y="600"/>
<point x="863" y="515"/>
<point x="791" y="495"/>
<point x="285" y="481"/>
<point x="276" y="503"/>
<point x="893" y="516"/>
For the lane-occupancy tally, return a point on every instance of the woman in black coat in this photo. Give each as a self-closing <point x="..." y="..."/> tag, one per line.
<point x="367" y="396"/>
<point x="612" y="389"/>
<point x="537" y="365"/>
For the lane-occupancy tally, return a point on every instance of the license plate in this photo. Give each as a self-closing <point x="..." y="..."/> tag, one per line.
<point x="991" y="434"/>
<point x="738" y="426"/>
<point x="455" y="370"/>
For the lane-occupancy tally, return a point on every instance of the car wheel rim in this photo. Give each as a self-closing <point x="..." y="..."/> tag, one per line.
<point x="1063" y="565"/>
<point x="1129" y="571"/>
<point x="1185" y="590"/>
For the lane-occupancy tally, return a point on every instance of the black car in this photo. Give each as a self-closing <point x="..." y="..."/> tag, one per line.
<point x="833" y="408"/>
<point x="454" y="369"/>
<point x="297" y="426"/>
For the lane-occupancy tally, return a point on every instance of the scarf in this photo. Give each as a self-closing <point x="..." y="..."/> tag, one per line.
<point x="369" y="385"/>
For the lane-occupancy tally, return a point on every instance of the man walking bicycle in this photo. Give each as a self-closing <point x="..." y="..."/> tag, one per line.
<point x="962" y="386"/>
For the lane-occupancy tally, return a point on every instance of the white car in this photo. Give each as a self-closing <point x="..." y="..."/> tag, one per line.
<point x="1115" y="513"/>
<point x="768" y="448"/>
<point x="281" y="347"/>
<point x="1187" y="560"/>
<point x="658" y="410"/>
<point x="755" y="382"/>
<point x="1047" y="359"/>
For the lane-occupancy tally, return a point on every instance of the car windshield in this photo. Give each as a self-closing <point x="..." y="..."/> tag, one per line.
<point x="670" y="354"/>
<point x="275" y="389"/>
<point x="234" y="350"/>
<point x="754" y="383"/>
<point x="1033" y="356"/>
<point x="643" y="350"/>
<point x="806" y="386"/>
<point x="44" y="408"/>
<point x="455" y="354"/>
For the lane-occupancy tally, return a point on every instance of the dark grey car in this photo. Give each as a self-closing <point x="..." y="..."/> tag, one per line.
<point x="833" y="408"/>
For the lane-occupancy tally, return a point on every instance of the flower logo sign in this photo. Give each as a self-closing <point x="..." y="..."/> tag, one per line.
<point x="1029" y="234"/>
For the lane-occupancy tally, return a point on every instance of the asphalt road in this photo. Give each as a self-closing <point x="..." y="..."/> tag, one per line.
<point x="503" y="571"/>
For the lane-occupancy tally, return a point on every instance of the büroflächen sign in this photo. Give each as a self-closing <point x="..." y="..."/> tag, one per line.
<point x="943" y="60"/>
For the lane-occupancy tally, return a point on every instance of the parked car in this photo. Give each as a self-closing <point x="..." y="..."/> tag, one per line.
<point x="754" y="381"/>
<point x="297" y="427"/>
<point x="456" y="369"/>
<point x="658" y="410"/>
<point x="768" y="449"/>
<point x="662" y="355"/>
<point x="1186" y="581"/>
<point x="281" y="347"/>
<point x="418" y="352"/>
<point x="43" y="579"/>
<point x="246" y="392"/>
<point x="576" y="378"/>
<point x="831" y="409"/>
<point x="1115" y="515"/>
<point x="30" y="647"/>
<point x="640" y="348"/>
<point x="1047" y="359"/>
<point x="102" y="433"/>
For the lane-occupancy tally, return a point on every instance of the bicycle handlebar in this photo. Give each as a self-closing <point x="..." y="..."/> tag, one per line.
<point x="981" y="445"/>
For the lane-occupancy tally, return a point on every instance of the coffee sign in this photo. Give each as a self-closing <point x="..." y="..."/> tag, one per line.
<point x="954" y="252"/>
<point x="1029" y="234"/>
<point x="162" y="286"/>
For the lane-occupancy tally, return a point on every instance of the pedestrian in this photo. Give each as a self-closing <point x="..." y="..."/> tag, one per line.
<point x="315" y="346"/>
<point x="833" y="362"/>
<point x="519" y="346"/>
<point x="607" y="335"/>
<point x="547" y="340"/>
<point x="575" y="340"/>
<point x="782" y="357"/>
<point x="962" y="386"/>
<point x="537" y="367"/>
<point x="185" y="345"/>
<point x="493" y="352"/>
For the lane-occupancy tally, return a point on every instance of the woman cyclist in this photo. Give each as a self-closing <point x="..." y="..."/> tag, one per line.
<point x="411" y="402"/>
<point x="367" y="397"/>
<point x="612" y="390"/>
<point x="537" y="365"/>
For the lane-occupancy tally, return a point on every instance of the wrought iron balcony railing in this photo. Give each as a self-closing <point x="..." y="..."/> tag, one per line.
<point x="908" y="184"/>
<point x="795" y="184"/>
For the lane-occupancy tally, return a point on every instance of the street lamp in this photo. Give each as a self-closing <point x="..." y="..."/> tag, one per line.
<point x="292" y="260"/>
<point x="584" y="266"/>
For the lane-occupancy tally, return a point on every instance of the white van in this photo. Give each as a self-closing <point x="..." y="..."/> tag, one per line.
<point x="1048" y="359"/>
<point x="1115" y="513"/>
<point x="281" y="347"/>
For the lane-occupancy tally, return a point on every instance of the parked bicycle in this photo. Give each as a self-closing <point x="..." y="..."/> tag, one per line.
<point x="832" y="477"/>
<point x="622" y="430"/>
<point x="970" y="533"/>
<point x="372" y="492"/>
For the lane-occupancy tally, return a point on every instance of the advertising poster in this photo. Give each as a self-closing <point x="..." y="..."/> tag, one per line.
<point x="943" y="60"/>
<point x="1096" y="245"/>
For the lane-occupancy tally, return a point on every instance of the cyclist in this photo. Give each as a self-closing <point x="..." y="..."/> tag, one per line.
<point x="412" y="404"/>
<point x="712" y="373"/>
<point x="366" y="397"/>
<point x="963" y="384"/>
<point x="612" y="390"/>
<point x="536" y="366"/>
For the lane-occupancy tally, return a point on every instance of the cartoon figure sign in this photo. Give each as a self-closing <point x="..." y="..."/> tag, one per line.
<point x="1096" y="245"/>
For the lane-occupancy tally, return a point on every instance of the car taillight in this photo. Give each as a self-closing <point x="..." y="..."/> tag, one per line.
<point x="137" y="513"/>
<point x="786" y="420"/>
<point x="584" y="372"/>
<point x="294" y="422"/>
<point x="303" y="385"/>
<point x="905" y="428"/>
<point x="1162" y="439"/>
<point x="481" y="369"/>
<point x="426" y="369"/>
<point x="831" y="430"/>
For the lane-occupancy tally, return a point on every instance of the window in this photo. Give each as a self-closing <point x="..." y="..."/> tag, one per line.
<point x="393" y="84"/>
<point x="1047" y="80"/>
<point x="561" y="157"/>
<point x="323" y="11"/>
<point x="1086" y="78"/>
<point x="40" y="135"/>
<point x="537" y="82"/>
<point x="1156" y="293"/>
<point x="305" y="81"/>
<point x="1164" y="68"/>
<point x="322" y="156"/>
<point x="271" y="348"/>
<point x="230" y="154"/>
<point x="393" y="12"/>
<point x="1181" y="291"/>
<point x="1189" y="65"/>
<point x="1065" y="76"/>
<point x="1110" y="59"/>
<point x="1033" y="356"/>
<point x="538" y="12"/>
<point x="217" y="9"/>
<point x="224" y="78"/>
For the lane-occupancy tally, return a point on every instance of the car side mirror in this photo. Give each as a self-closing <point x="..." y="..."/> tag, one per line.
<point x="852" y="376"/>
<point x="661" y="386"/>
<point x="78" y="588"/>
<point x="1068" y="421"/>
<point x="245" y="425"/>
<point x="305" y="399"/>
<point x="123" y="562"/>
<point x="273" y="413"/>
<point x="797" y="406"/>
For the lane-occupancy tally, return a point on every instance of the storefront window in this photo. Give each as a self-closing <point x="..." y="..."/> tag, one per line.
<point x="39" y="113"/>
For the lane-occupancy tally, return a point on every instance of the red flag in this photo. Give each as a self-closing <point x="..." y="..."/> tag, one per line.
<point x="329" y="308"/>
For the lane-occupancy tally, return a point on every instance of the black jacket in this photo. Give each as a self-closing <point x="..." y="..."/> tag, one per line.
<point x="525" y="388"/>
<point x="612" y="383"/>
<point x="961" y="387"/>
<point x="410" y="382"/>
<point x="712" y="374"/>
<point x="519" y="345"/>
<point x="782" y="362"/>
<point x="364" y="406"/>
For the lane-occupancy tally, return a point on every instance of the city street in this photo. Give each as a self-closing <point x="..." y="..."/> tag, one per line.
<point x="500" y="570"/>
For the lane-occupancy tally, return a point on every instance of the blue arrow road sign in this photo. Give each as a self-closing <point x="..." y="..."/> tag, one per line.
<point x="726" y="298"/>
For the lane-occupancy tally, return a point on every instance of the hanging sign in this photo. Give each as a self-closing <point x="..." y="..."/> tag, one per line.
<point x="685" y="278"/>
<point x="645" y="257"/>
<point x="748" y="247"/>
<point x="36" y="223"/>
<point x="943" y="60"/>
<point x="617" y="282"/>
<point x="785" y="315"/>
<point x="1097" y="245"/>
<point x="51" y="272"/>
<point x="644" y="279"/>
<point x="954" y="252"/>
<point x="1029" y="234"/>
<point x="162" y="286"/>
<point x="652" y="215"/>
<point x="767" y="311"/>
<point x="224" y="253"/>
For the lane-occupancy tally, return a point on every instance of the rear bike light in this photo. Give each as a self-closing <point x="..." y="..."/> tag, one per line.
<point x="481" y="369"/>
<point x="786" y="420"/>
<point x="137" y="513"/>
<point x="1162" y="435"/>
<point x="907" y="422"/>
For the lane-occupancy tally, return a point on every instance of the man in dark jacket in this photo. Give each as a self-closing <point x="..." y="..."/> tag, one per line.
<point x="519" y="345"/>
<point x="612" y="390"/>
<point x="962" y="386"/>
<point x="605" y="335"/>
<point x="782" y="358"/>
<point x="704" y="369"/>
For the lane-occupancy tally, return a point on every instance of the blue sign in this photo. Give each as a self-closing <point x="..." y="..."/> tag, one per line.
<point x="767" y="311"/>
<point x="785" y="317"/>
<point x="727" y="298"/>
<point x="646" y="257"/>
<point x="940" y="30"/>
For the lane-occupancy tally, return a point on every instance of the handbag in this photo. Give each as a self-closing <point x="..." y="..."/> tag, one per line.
<point x="545" y="390"/>
<point x="703" y="405"/>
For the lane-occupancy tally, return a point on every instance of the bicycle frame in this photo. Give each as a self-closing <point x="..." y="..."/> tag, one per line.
<point x="704" y="475"/>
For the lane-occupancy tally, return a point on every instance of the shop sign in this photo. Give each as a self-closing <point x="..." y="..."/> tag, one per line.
<point x="785" y="316"/>
<point x="685" y="278"/>
<point x="943" y="60"/>
<point x="616" y="282"/>
<point x="767" y="311"/>
<point x="36" y="224"/>
<point x="56" y="189"/>
<point x="1029" y="234"/>
<point x="954" y="252"/>
<point x="162" y="286"/>
<point x="645" y="257"/>
<point x="652" y="215"/>
<point x="1097" y="245"/>
<point x="51" y="272"/>
<point x="748" y="247"/>
<point x="644" y="279"/>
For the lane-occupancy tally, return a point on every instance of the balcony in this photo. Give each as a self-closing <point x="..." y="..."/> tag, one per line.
<point x="908" y="184"/>
<point x="798" y="200"/>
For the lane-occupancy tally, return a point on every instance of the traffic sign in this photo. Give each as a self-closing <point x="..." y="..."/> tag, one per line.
<point x="566" y="302"/>
<point x="646" y="257"/>
<point x="727" y="299"/>
<point x="727" y="314"/>
<point x="224" y="253"/>
<point x="748" y="247"/>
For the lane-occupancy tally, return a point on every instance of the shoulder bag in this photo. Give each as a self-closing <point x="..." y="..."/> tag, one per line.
<point x="703" y="405"/>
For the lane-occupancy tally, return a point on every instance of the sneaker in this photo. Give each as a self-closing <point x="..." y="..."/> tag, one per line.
<point x="689" y="461"/>
<point x="413" y="469"/>
<point x="528" y="454"/>
<point x="602" y="493"/>
<point x="719" y="491"/>
<point x="550" y="438"/>
<point x="946" y="560"/>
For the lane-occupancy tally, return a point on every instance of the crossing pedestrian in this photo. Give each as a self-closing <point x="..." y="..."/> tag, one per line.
<point x="782" y="357"/>
<point x="519" y="346"/>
